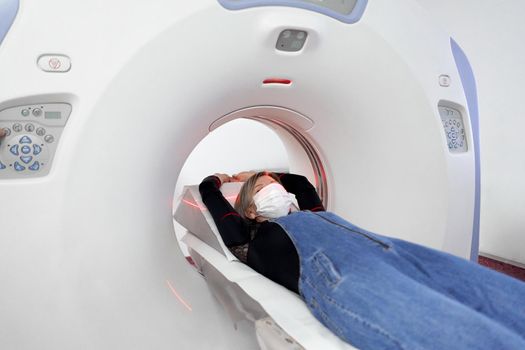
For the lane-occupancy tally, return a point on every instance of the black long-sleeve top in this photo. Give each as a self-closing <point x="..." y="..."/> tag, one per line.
<point x="265" y="247"/>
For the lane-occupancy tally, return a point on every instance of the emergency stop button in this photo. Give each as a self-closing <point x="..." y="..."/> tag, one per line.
<point x="54" y="63"/>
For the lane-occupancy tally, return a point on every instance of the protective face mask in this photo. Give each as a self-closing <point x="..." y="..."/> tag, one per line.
<point x="273" y="201"/>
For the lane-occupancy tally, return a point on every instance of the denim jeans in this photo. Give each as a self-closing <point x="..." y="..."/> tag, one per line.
<point x="377" y="292"/>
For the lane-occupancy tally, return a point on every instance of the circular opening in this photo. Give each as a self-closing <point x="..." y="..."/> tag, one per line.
<point x="249" y="143"/>
<point x="310" y="151"/>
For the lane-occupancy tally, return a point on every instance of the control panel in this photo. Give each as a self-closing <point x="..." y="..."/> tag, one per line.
<point x="454" y="129"/>
<point x="346" y="11"/>
<point x="344" y="7"/>
<point x="31" y="136"/>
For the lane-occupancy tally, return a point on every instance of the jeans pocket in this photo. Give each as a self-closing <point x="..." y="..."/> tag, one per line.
<point x="325" y="269"/>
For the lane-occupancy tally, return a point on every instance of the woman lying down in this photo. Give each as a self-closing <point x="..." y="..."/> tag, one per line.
<point x="373" y="291"/>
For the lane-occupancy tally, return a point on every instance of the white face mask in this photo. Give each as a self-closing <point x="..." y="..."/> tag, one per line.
<point x="273" y="201"/>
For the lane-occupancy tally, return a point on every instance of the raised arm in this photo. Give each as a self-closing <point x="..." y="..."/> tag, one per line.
<point x="304" y="191"/>
<point x="232" y="228"/>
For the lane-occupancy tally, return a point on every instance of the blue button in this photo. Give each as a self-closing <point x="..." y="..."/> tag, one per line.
<point x="35" y="166"/>
<point x="19" y="167"/>
<point x="25" y="139"/>
<point x="14" y="150"/>
<point x="2" y="166"/>
<point x="36" y="150"/>
<point x="26" y="159"/>
<point x="26" y="149"/>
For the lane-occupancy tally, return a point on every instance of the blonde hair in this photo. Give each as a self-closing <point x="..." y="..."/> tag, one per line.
<point x="245" y="198"/>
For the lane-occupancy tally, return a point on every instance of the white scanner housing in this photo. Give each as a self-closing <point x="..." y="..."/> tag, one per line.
<point x="377" y="107"/>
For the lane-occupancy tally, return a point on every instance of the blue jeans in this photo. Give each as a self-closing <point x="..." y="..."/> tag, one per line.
<point x="377" y="292"/>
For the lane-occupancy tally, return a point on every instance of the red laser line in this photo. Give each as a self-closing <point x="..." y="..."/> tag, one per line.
<point x="179" y="298"/>
<point x="191" y="204"/>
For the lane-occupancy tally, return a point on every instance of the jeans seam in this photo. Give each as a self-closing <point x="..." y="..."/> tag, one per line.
<point x="354" y="316"/>
<point x="327" y="319"/>
<point x="381" y="243"/>
<point x="372" y="326"/>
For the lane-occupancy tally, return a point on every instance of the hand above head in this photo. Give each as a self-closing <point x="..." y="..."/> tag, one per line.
<point x="223" y="177"/>
<point x="243" y="176"/>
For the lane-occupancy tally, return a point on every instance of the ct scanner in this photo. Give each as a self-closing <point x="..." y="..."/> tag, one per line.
<point x="103" y="101"/>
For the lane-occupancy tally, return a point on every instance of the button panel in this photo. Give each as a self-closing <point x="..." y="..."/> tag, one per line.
<point x="32" y="136"/>
<point x="26" y="154"/>
<point x="454" y="129"/>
